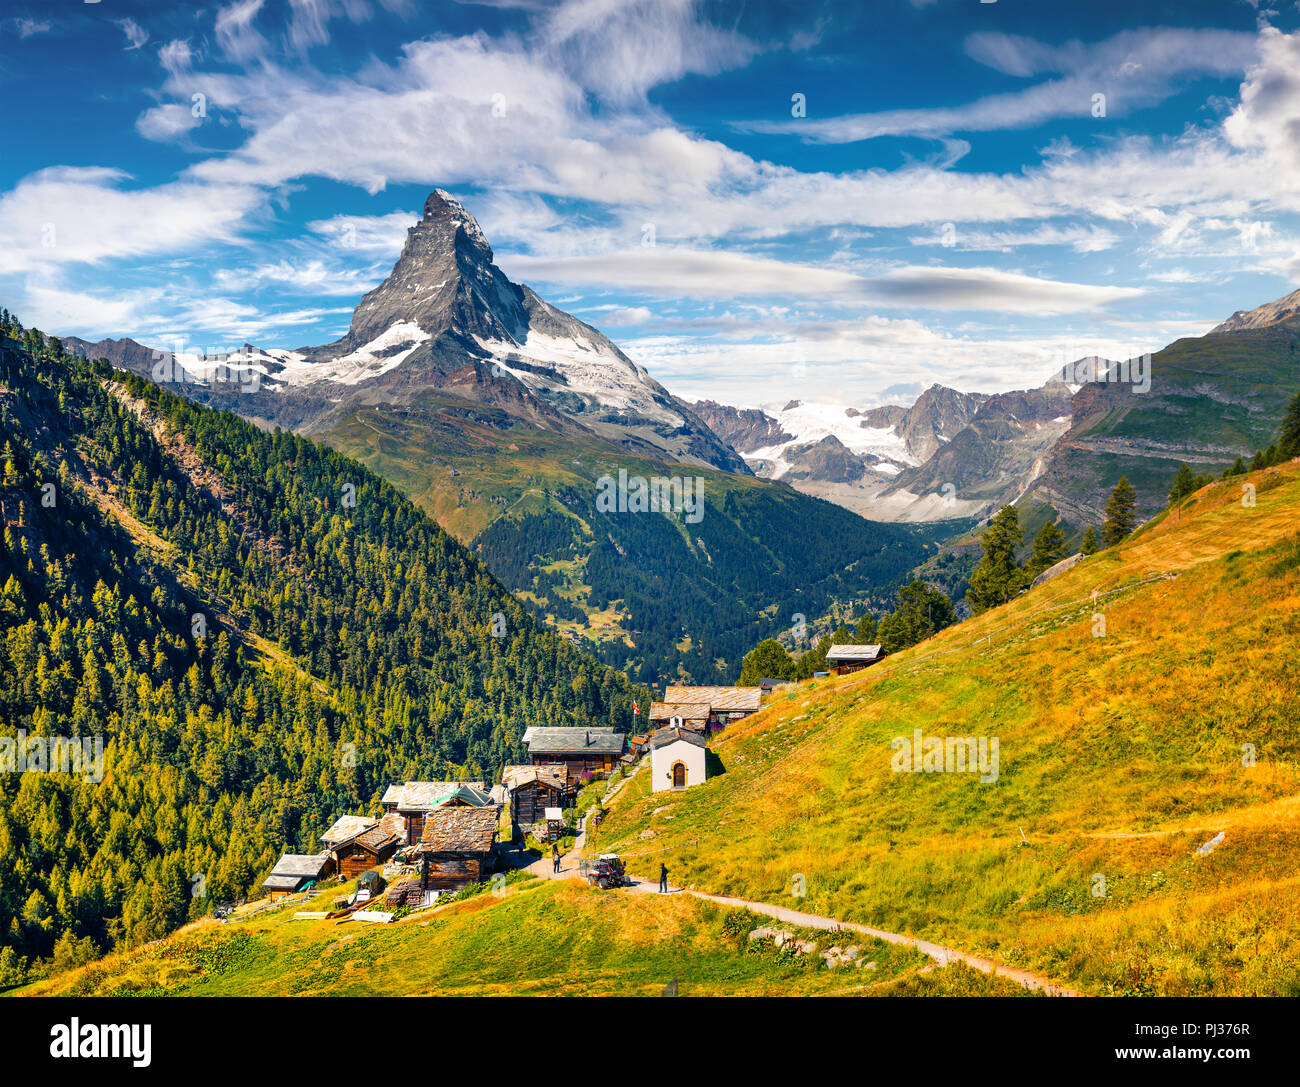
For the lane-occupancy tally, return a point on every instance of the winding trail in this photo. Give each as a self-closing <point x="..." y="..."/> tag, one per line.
<point x="940" y="954"/>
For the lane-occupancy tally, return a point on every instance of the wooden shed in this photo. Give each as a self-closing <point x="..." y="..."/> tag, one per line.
<point x="842" y="659"/>
<point x="294" y="871"/>
<point x="456" y="847"/>
<point x="370" y="846"/>
<point x="532" y="790"/>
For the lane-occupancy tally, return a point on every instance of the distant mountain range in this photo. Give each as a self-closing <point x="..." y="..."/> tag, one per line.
<point x="1062" y="446"/>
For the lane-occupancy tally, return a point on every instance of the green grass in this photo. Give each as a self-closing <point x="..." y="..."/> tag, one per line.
<point x="541" y="937"/>
<point x="1119" y="756"/>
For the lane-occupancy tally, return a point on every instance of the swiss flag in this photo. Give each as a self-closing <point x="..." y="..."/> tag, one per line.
<point x="636" y="710"/>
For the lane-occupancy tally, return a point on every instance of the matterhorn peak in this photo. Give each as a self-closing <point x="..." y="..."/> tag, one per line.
<point x="442" y="207"/>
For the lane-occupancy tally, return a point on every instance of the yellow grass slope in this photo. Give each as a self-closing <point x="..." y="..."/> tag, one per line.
<point x="1133" y="726"/>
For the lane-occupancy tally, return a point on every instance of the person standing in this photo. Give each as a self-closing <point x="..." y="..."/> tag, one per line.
<point x="555" y="857"/>
<point x="663" y="878"/>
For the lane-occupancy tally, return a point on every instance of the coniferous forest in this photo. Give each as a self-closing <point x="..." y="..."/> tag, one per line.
<point x="263" y="633"/>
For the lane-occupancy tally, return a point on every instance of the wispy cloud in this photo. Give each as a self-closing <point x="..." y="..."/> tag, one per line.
<point x="1132" y="69"/>
<point x="26" y="27"/>
<point x="67" y="214"/>
<point x="136" y="35"/>
<point x="682" y="273"/>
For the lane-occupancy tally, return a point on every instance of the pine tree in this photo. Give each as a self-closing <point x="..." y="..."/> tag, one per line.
<point x="768" y="658"/>
<point x="1121" y="513"/>
<point x="1089" y="544"/>
<point x="1184" y="484"/>
<point x="1049" y="549"/>
<point x="998" y="577"/>
<point x="1288" y="442"/>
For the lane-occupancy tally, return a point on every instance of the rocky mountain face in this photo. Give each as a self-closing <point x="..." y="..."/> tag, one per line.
<point x="1208" y="400"/>
<point x="938" y="416"/>
<point x="1270" y="313"/>
<point x="744" y="429"/>
<point x="828" y="460"/>
<point x="992" y="459"/>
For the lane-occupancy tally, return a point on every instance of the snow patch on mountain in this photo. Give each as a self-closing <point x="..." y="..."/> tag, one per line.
<point x="811" y="422"/>
<point x="582" y="367"/>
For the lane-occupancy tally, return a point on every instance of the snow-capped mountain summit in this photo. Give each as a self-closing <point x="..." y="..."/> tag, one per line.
<point x="448" y="320"/>
<point x="445" y="280"/>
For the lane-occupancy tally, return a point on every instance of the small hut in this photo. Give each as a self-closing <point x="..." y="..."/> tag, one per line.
<point x="456" y="847"/>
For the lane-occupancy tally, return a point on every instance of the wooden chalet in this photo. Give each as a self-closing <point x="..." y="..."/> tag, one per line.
<point x="456" y="847"/>
<point x="294" y="871"/>
<point x="725" y="704"/>
<point x="533" y="789"/>
<point x="841" y="659"/>
<point x="579" y="750"/>
<point x="410" y="802"/>
<point x="359" y="844"/>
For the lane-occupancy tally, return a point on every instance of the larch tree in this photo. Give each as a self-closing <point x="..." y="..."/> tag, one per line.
<point x="1121" y="513"/>
<point x="998" y="577"/>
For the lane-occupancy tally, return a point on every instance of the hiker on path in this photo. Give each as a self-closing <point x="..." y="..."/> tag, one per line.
<point x="555" y="857"/>
<point x="663" y="878"/>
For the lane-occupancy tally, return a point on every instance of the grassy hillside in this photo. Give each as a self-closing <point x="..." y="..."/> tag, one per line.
<point x="657" y="596"/>
<point x="1120" y="755"/>
<point x="537" y="938"/>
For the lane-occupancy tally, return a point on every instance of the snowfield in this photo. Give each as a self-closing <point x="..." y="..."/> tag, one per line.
<point x="813" y="422"/>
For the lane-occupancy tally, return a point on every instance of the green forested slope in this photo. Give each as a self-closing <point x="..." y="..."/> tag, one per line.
<point x="663" y="597"/>
<point x="346" y="645"/>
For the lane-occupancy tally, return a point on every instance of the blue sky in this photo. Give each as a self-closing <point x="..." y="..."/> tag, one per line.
<point x="758" y="201"/>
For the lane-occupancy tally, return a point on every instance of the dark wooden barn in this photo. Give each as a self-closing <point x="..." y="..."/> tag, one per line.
<point x="456" y="847"/>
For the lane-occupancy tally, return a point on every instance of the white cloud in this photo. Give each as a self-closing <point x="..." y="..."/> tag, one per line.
<point x="308" y="25"/>
<point x="710" y="274"/>
<point x="376" y="235"/>
<point x="620" y="316"/>
<point x="136" y="35"/>
<point x="167" y="122"/>
<point x="309" y="276"/>
<point x="1132" y="69"/>
<point x="237" y="38"/>
<point x="67" y="214"/>
<point x="622" y="48"/>
<point x="27" y="28"/>
<point x="1268" y="116"/>
<point x="1081" y="239"/>
<point x="161" y="317"/>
